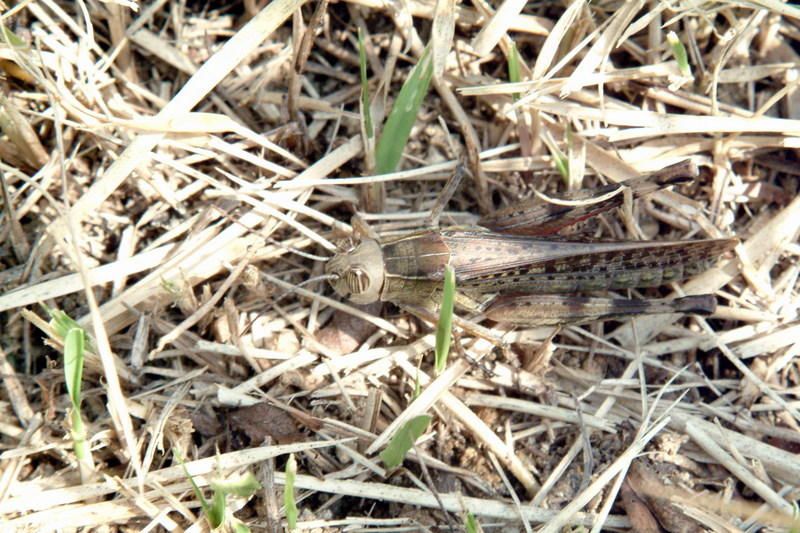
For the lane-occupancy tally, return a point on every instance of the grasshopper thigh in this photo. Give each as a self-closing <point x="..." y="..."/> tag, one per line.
<point x="547" y="310"/>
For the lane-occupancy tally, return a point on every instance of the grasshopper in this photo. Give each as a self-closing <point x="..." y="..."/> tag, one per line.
<point x="512" y="269"/>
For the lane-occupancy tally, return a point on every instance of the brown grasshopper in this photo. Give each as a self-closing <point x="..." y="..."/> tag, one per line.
<point x="513" y="270"/>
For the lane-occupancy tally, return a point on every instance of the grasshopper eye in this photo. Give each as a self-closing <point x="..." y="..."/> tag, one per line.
<point x="357" y="281"/>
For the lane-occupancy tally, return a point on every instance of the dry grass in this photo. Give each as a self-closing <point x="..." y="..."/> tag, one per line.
<point x="146" y="156"/>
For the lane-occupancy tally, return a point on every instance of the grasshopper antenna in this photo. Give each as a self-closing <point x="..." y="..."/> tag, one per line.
<point x="286" y="293"/>
<point x="288" y="248"/>
<point x="297" y="251"/>
<point x="270" y="240"/>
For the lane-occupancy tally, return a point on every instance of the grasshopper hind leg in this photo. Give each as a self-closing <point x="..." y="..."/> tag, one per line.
<point x="552" y="310"/>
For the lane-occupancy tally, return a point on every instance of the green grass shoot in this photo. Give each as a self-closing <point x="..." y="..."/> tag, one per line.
<point x="289" y="505"/>
<point x="62" y="324"/>
<point x="172" y="288"/>
<point x="444" y="330"/>
<point x="470" y="524"/>
<point x="403" y="440"/>
<point x="404" y="113"/>
<point x="679" y="51"/>
<point x="561" y="161"/>
<point x="76" y="342"/>
<point x="212" y="517"/>
<point x="217" y="512"/>
<point x="74" y="346"/>
<point x="514" y="75"/>
<point x="242" y="485"/>
<point x="12" y="39"/>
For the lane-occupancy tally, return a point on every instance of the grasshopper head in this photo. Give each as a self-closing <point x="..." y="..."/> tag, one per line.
<point x="359" y="272"/>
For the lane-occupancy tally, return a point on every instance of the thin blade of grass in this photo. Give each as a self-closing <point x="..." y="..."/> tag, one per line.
<point x="197" y="491"/>
<point x="442" y="32"/>
<point x="362" y="55"/>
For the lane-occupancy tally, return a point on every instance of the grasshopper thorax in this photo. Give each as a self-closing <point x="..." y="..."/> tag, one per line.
<point x="359" y="272"/>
